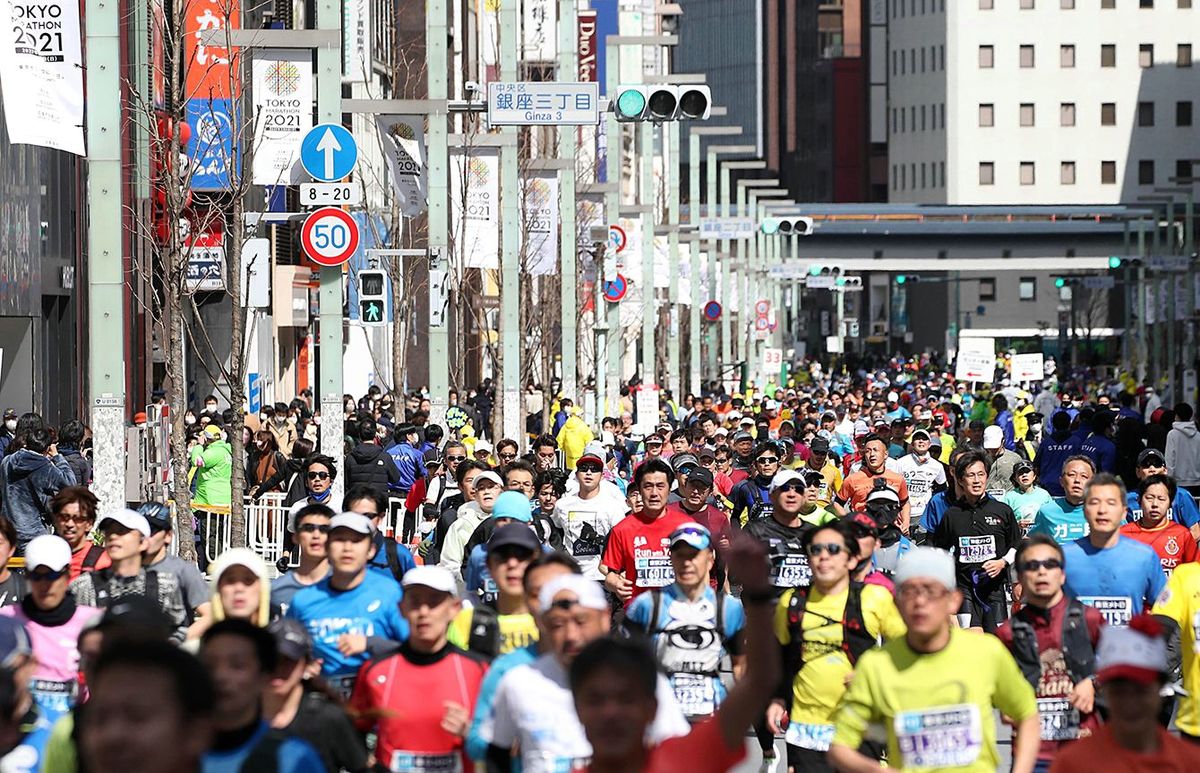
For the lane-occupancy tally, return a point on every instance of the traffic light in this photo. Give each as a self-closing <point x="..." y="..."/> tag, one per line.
<point x="663" y="103"/>
<point x="372" y="297"/>
<point x="849" y="284"/>
<point x="902" y="279"/>
<point x="1119" y="261"/>
<point x="1063" y="281"/>
<point x="787" y="226"/>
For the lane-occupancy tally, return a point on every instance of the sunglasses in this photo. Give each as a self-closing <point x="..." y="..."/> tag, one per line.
<point x="767" y="460"/>
<point x="318" y="475"/>
<point x="456" y="458"/>
<point x="309" y="528"/>
<point x="46" y="576"/>
<point x="831" y="548"/>
<point x="795" y="487"/>
<point x="1034" y="565"/>
<point x="511" y="551"/>
<point x="508" y="456"/>
<point x="590" y="467"/>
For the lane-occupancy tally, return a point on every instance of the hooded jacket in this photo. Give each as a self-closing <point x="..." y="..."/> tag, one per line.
<point x="30" y="481"/>
<point x="572" y="438"/>
<point x="1052" y="453"/>
<point x="370" y="465"/>
<point x="214" y="475"/>
<point x="1183" y="453"/>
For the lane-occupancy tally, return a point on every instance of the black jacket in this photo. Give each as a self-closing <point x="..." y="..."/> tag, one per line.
<point x="370" y="464"/>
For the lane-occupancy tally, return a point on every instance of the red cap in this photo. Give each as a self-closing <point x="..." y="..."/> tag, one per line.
<point x="139" y="417"/>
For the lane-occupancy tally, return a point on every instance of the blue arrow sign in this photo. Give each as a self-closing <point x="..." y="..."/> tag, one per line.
<point x="328" y="152"/>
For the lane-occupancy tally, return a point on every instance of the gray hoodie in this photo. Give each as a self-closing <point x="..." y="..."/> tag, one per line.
<point x="1183" y="453"/>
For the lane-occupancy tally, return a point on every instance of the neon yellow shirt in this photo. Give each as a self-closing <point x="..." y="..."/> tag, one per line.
<point x="937" y="708"/>
<point x="1180" y="601"/>
<point x="516" y="631"/>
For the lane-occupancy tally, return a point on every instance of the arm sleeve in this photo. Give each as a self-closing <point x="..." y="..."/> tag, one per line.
<point x="1039" y="524"/>
<point x="638" y="614"/>
<point x="499" y="729"/>
<point x="1169" y="456"/>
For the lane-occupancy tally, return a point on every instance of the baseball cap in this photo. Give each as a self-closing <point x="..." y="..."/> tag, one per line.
<point x="921" y="433"/>
<point x="291" y="638"/>
<point x="587" y="592"/>
<point x="436" y="577"/>
<point x="819" y="445"/>
<point x="680" y="462"/>
<point x="784" y="477"/>
<point x="10" y="414"/>
<point x="747" y="421"/>
<point x="993" y="437"/>
<point x="1137" y="652"/>
<point x="49" y="551"/>
<point x="514" y="505"/>
<point x="883" y="494"/>
<point x="892" y="397"/>
<point x="706" y="452"/>
<point x="1151" y="456"/>
<point x="239" y="557"/>
<point x="14" y="642"/>
<point x="866" y="522"/>
<point x="514" y="534"/>
<point x="740" y="435"/>
<point x="733" y="415"/>
<point x="488" y="475"/>
<point x="353" y="521"/>
<point x="595" y="452"/>
<point x="212" y="431"/>
<point x="695" y="535"/>
<point x="654" y="440"/>
<point x="128" y="518"/>
<point x="482" y="445"/>
<point x="157" y="515"/>
<point x="140" y="417"/>
<point x="700" y="475"/>
<point x="721" y="431"/>
<point x="931" y="563"/>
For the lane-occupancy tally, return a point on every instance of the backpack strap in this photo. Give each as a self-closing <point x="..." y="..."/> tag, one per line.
<point x="92" y="558"/>
<point x="1078" y="652"/>
<point x="856" y="639"/>
<point x="793" y="656"/>
<point x="393" y="558"/>
<point x="264" y="757"/>
<point x="484" y="638"/>
<point x="100" y="582"/>
<point x="720" y="616"/>
<point x="152" y="586"/>
<point x="655" y="608"/>
<point x="1025" y="649"/>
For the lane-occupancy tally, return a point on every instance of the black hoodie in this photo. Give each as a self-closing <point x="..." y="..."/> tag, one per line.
<point x="371" y="465"/>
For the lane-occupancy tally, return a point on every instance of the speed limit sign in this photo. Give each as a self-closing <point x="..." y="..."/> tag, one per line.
<point x="329" y="236"/>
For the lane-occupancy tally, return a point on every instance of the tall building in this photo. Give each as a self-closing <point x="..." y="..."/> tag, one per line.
<point x="1039" y="101"/>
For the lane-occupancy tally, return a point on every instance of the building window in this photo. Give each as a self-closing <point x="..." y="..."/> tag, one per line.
<point x="987" y="173"/>
<point x="1183" y="55"/>
<point x="1066" y="173"/>
<point x="1108" y="172"/>
<point x="1183" y="113"/>
<point x="1145" y="114"/>
<point x="922" y="175"/>
<point x="986" y="5"/>
<point x="1027" y="114"/>
<point x="1026" y="56"/>
<point x="1146" y="55"/>
<point x="942" y="172"/>
<point x="987" y="289"/>
<point x="1108" y="55"/>
<point x="942" y="57"/>
<point x="1145" y="173"/>
<point x="987" y="115"/>
<point x="902" y="120"/>
<point x="1027" y="175"/>
<point x="1027" y="288"/>
<point x="1066" y="114"/>
<point x="1066" y="56"/>
<point x="1108" y="4"/>
<point x="922" y="58"/>
<point x="1183" y="167"/>
<point x="1108" y="114"/>
<point x="1184" y="3"/>
<point x="942" y="115"/>
<point x="986" y="57"/>
<point x="1145" y="3"/>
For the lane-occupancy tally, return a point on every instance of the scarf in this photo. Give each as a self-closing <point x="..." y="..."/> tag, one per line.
<point x="49" y="618"/>
<point x="320" y="499"/>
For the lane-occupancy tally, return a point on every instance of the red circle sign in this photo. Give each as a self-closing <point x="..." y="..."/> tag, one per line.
<point x="615" y="290"/>
<point x="329" y="236"/>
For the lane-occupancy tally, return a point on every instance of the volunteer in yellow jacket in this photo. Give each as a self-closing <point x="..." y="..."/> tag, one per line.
<point x="1180" y="602"/>
<point x="936" y="688"/>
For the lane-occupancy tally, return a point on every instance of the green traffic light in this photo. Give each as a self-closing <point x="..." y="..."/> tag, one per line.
<point x="1060" y="282"/>
<point x="901" y="279"/>
<point x="1114" y="262"/>
<point x="631" y="103"/>
<point x="770" y="226"/>
<point x="814" y="270"/>
<point x="841" y="280"/>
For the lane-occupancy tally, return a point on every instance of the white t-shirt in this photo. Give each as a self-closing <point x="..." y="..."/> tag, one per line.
<point x="585" y="524"/>
<point x="920" y="479"/>
<point x="534" y="709"/>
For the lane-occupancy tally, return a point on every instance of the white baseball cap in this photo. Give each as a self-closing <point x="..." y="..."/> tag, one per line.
<point x="49" y="551"/>
<point x="488" y="475"/>
<point x="435" y="577"/>
<point x="587" y="592"/>
<point x="993" y="437"/>
<point x="353" y="521"/>
<point x="931" y="563"/>
<point x="130" y="519"/>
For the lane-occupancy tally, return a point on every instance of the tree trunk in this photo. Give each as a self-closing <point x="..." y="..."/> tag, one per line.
<point x="237" y="373"/>
<point x="177" y="400"/>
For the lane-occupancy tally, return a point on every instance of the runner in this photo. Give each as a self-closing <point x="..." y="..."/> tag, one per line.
<point x="692" y="626"/>
<point x="824" y="628"/>
<point x="695" y="491"/>
<point x="865" y="530"/>
<point x="1053" y="639"/>
<point x="485" y="487"/>
<point x="1026" y="497"/>
<point x="74" y="512"/>
<point x="159" y="558"/>
<point x="1054" y="451"/>
<point x="882" y="509"/>
<point x="1183" y="507"/>
<point x="419" y="700"/>
<point x="924" y="475"/>
<point x="782" y="533"/>
<point x="819" y="461"/>
<point x="1179" y="603"/>
<point x="311" y="526"/>
<point x="1173" y="543"/>
<point x="936" y="689"/>
<point x="1062" y="518"/>
<point x="390" y="558"/>
<point x="12" y="584"/>
<point x="587" y="516"/>
<point x="853" y="495"/>
<point x="751" y="497"/>
<point x="510" y="507"/>
<point x="500" y="622"/>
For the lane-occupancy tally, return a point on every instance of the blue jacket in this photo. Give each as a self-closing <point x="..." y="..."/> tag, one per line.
<point x="935" y="511"/>
<point x="476" y="744"/>
<point x="1051" y="454"/>
<point x="1102" y="451"/>
<point x="30" y="481"/>
<point x="410" y="462"/>
<point x="1004" y="420"/>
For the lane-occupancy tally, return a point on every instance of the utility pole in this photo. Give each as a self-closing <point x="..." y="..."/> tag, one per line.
<point x="510" y="248"/>
<point x="649" y="301"/>
<point x="568" y="70"/>
<point x="439" y="194"/>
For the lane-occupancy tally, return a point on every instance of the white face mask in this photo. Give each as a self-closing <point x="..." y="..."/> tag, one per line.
<point x="10" y="423"/>
<point x="262" y="417"/>
<point x="189" y="419"/>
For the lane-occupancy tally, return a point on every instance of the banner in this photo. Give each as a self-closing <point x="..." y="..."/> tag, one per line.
<point x="540" y="31"/>
<point x="403" y="139"/>
<point x="41" y="74"/>
<point x="210" y="99"/>
<point x="283" y="95"/>
<point x="356" y="40"/>
<point x="475" y="205"/>
<point x="540" y="217"/>
<point x="488" y="12"/>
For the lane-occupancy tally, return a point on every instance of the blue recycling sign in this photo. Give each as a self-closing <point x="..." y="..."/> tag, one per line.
<point x="328" y="152"/>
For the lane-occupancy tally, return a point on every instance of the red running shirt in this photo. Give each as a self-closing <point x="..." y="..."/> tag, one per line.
<point x="639" y="549"/>
<point x="701" y="751"/>
<point x="1173" y="543"/>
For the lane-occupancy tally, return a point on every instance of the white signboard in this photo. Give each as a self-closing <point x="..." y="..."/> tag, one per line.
<point x="976" y="359"/>
<point x="356" y="40"/>
<point x="283" y="95"/>
<point x="330" y="194"/>
<point x="540" y="30"/>
<point x="646" y="406"/>
<point x="819" y="282"/>
<point x="41" y="70"/>
<point x="772" y="361"/>
<point x="403" y="140"/>
<point x="475" y="196"/>
<point x="833" y="345"/>
<point x="1025" y="368"/>
<point x="543" y="104"/>
<point x="731" y="228"/>
<point x="540" y="232"/>
<point x="205" y="269"/>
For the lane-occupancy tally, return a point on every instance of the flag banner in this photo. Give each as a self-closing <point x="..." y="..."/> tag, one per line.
<point x="475" y="205"/>
<point x="41" y="74"/>
<point x="403" y="139"/>
<point x="283" y="95"/>
<point x="539" y="234"/>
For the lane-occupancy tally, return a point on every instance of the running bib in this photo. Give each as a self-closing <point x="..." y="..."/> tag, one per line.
<point x="946" y="737"/>
<point x="791" y="570"/>
<point x="1117" y="610"/>
<point x="1060" y="720"/>
<point x="805" y="735"/>
<point x="53" y="698"/>
<point x="547" y="762"/>
<point x="760" y="510"/>
<point x="654" y="571"/>
<point x="976" y="550"/>
<point x="695" y="693"/>
<point x="425" y="762"/>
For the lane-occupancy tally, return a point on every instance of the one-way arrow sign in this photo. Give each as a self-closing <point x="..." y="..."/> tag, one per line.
<point x="328" y="152"/>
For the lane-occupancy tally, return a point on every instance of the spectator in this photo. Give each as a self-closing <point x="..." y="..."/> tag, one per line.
<point x="264" y="460"/>
<point x="32" y="475"/>
<point x="70" y="441"/>
<point x="368" y="464"/>
<point x="1183" y="450"/>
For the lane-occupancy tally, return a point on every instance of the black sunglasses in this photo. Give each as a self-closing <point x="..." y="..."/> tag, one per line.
<point x="308" y="528"/>
<point x="1033" y="565"/>
<point x="588" y="467"/>
<point x="767" y="460"/>
<point x="46" y="576"/>
<point x="455" y="458"/>
<point x="318" y="475"/>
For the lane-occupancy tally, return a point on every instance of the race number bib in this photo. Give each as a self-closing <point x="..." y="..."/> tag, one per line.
<point x="53" y="698"/>
<point x="696" y="694"/>
<point x="946" y="737"/>
<point x="1117" y="610"/>
<point x="1060" y="720"/>
<point x="760" y="510"/>
<point x="790" y="570"/>
<point x="425" y="762"/>
<point x="806" y="735"/>
<point x="976" y="550"/>
<point x="654" y="571"/>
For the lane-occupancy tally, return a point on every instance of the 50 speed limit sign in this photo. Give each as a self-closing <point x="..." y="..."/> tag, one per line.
<point x="329" y="236"/>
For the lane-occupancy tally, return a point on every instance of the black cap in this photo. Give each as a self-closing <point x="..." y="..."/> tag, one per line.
<point x="976" y="424"/>
<point x="157" y="515"/>
<point x="514" y="534"/>
<point x="1151" y="455"/>
<point x="819" y="445"/>
<point x="291" y="638"/>
<point x="701" y="475"/>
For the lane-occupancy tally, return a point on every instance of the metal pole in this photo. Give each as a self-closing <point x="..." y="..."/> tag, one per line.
<point x="1142" y="348"/>
<point x="568" y="241"/>
<point x="698" y="293"/>
<point x="1170" y="361"/>
<point x="1126" y="347"/>
<point x="649" y="305"/>
<point x="510" y="256"/>
<point x="439" y="195"/>
<point x="612" y="208"/>
<point x="1189" y="242"/>
<point x="726" y="290"/>
<point x="716" y="278"/>
<point x="672" y="170"/>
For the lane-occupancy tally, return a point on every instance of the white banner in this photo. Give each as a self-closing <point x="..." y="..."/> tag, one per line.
<point x="976" y="359"/>
<point x="356" y="40"/>
<point x="475" y="199"/>
<point x="540" y="32"/>
<point x="283" y="95"/>
<point x="646" y="406"/>
<point x="1025" y="368"/>
<point x="489" y="32"/>
<point x="539" y="236"/>
<point x="41" y="74"/>
<point x="403" y="138"/>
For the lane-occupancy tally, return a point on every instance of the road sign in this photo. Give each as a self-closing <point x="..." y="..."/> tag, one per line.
<point x="328" y="152"/>
<point x="617" y="238"/>
<point x="772" y="360"/>
<point x="329" y="236"/>
<point x="732" y="228"/>
<point x="976" y="359"/>
<point x="615" y="290"/>
<point x="712" y="311"/>
<point x="1168" y="262"/>
<point x="1099" y="282"/>
<point x="330" y="194"/>
<point x="543" y="104"/>
<point x="819" y="283"/>
<point x="762" y="308"/>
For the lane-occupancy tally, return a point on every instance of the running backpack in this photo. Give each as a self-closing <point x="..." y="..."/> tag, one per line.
<point x="856" y="639"/>
<point x="1076" y="642"/>
<point x="484" y="638"/>
<point x="103" y="578"/>
<point x="393" y="558"/>
<point x="92" y="558"/>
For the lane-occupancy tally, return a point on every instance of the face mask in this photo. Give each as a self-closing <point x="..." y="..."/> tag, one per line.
<point x="186" y="420"/>
<point x="210" y="408"/>
<point x="262" y="417"/>
<point x="11" y="424"/>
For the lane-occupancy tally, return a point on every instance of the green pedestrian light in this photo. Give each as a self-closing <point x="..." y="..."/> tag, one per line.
<point x="901" y="279"/>
<point x="1059" y="282"/>
<point x="770" y="226"/>
<point x="814" y="270"/>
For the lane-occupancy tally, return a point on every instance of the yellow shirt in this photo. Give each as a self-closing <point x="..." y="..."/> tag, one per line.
<point x="937" y="708"/>
<point x="1180" y="601"/>
<point x="831" y="484"/>
<point x="818" y="687"/>
<point x="516" y="631"/>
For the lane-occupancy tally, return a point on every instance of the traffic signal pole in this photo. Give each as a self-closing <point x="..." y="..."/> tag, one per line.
<point x="568" y="241"/>
<point x="438" y="218"/>
<point x="510" y="241"/>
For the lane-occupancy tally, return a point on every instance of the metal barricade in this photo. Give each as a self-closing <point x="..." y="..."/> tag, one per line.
<point x="392" y="524"/>
<point x="266" y="524"/>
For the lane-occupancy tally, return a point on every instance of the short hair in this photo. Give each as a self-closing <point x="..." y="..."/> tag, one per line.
<point x="649" y="467"/>
<point x="1183" y="412"/>
<point x="302" y="447"/>
<point x="434" y="433"/>
<point x="210" y="397"/>
<point x="363" y="491"/>
<point x="466" y="466"/>
<point x="71" y="433"/>
<point x="1060" y="420"/>
<point x="322" y="459"/>
<point x="81" y="495"/>
<point x="365" y="431"/>
<point x="1000" y="402"/>
<point x="1089" y="461"/>
<point x="402" y="431"/>
<point x="969" y="458"/>
<point x="1036" y="539"/>
<point x="313" y="509"/>
<point x="552" y="558"/>
<point x="262" y="641"/>
<point x="555" y="478"/>
<point x="545" y="440"/>
<point x="630" y="657"/>
<point x="39" y="440"/>
<point x="764" y="447"/>
<point x="9" y="531"/>
<point x="452" y="444"/>
<point x="871" y="437"/>
<point x="1104" y="479"/>
<point x="1159" y="480"/>
<point x="190" y="681"/>
<point x="841" y="526"/>
<point x="505" y="443"/>
<point x="519" y="465"/>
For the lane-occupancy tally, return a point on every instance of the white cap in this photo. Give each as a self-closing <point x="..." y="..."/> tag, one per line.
<point x="596" y="449"/>
<point x="435" y="577"/>
<point x="1129" y="653"/>
<point x="488" y="475"/>
<point x="130" y="519"/>
<point x="733" y="415"/>
<point x="238" y="557"/>
<point x="746" y="420"/>
<point x="482" y="445"/>
<point x="931" y="563"/>
<point x="353" y="521"/>
<point x="49" y="551"/>
<point x="892" y="397"/>
<point x="607" y="439"/>
<point x="587" y="592"/>
<point x="784" y="477"/>
<point x="993" y="437"/>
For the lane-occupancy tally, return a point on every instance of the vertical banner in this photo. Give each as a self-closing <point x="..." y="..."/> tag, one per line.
<point x="588" y="58"/>
<point x="211" y="94"/>
<point x="539" y="31"/>
<point x="488" y="13"/>
<point x="475" y="206"/>
<point x="539" y="236"/>
<point x="283" y="95"/>
<point x="41" y="70"/>
<point x="403" y="138"/>
<point x="356" y="40"/>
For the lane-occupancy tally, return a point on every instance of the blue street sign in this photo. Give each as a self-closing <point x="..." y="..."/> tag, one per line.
<point x="328" y="152"/>
<point x="615" y="290"/>
<point x="255" y="393"/>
